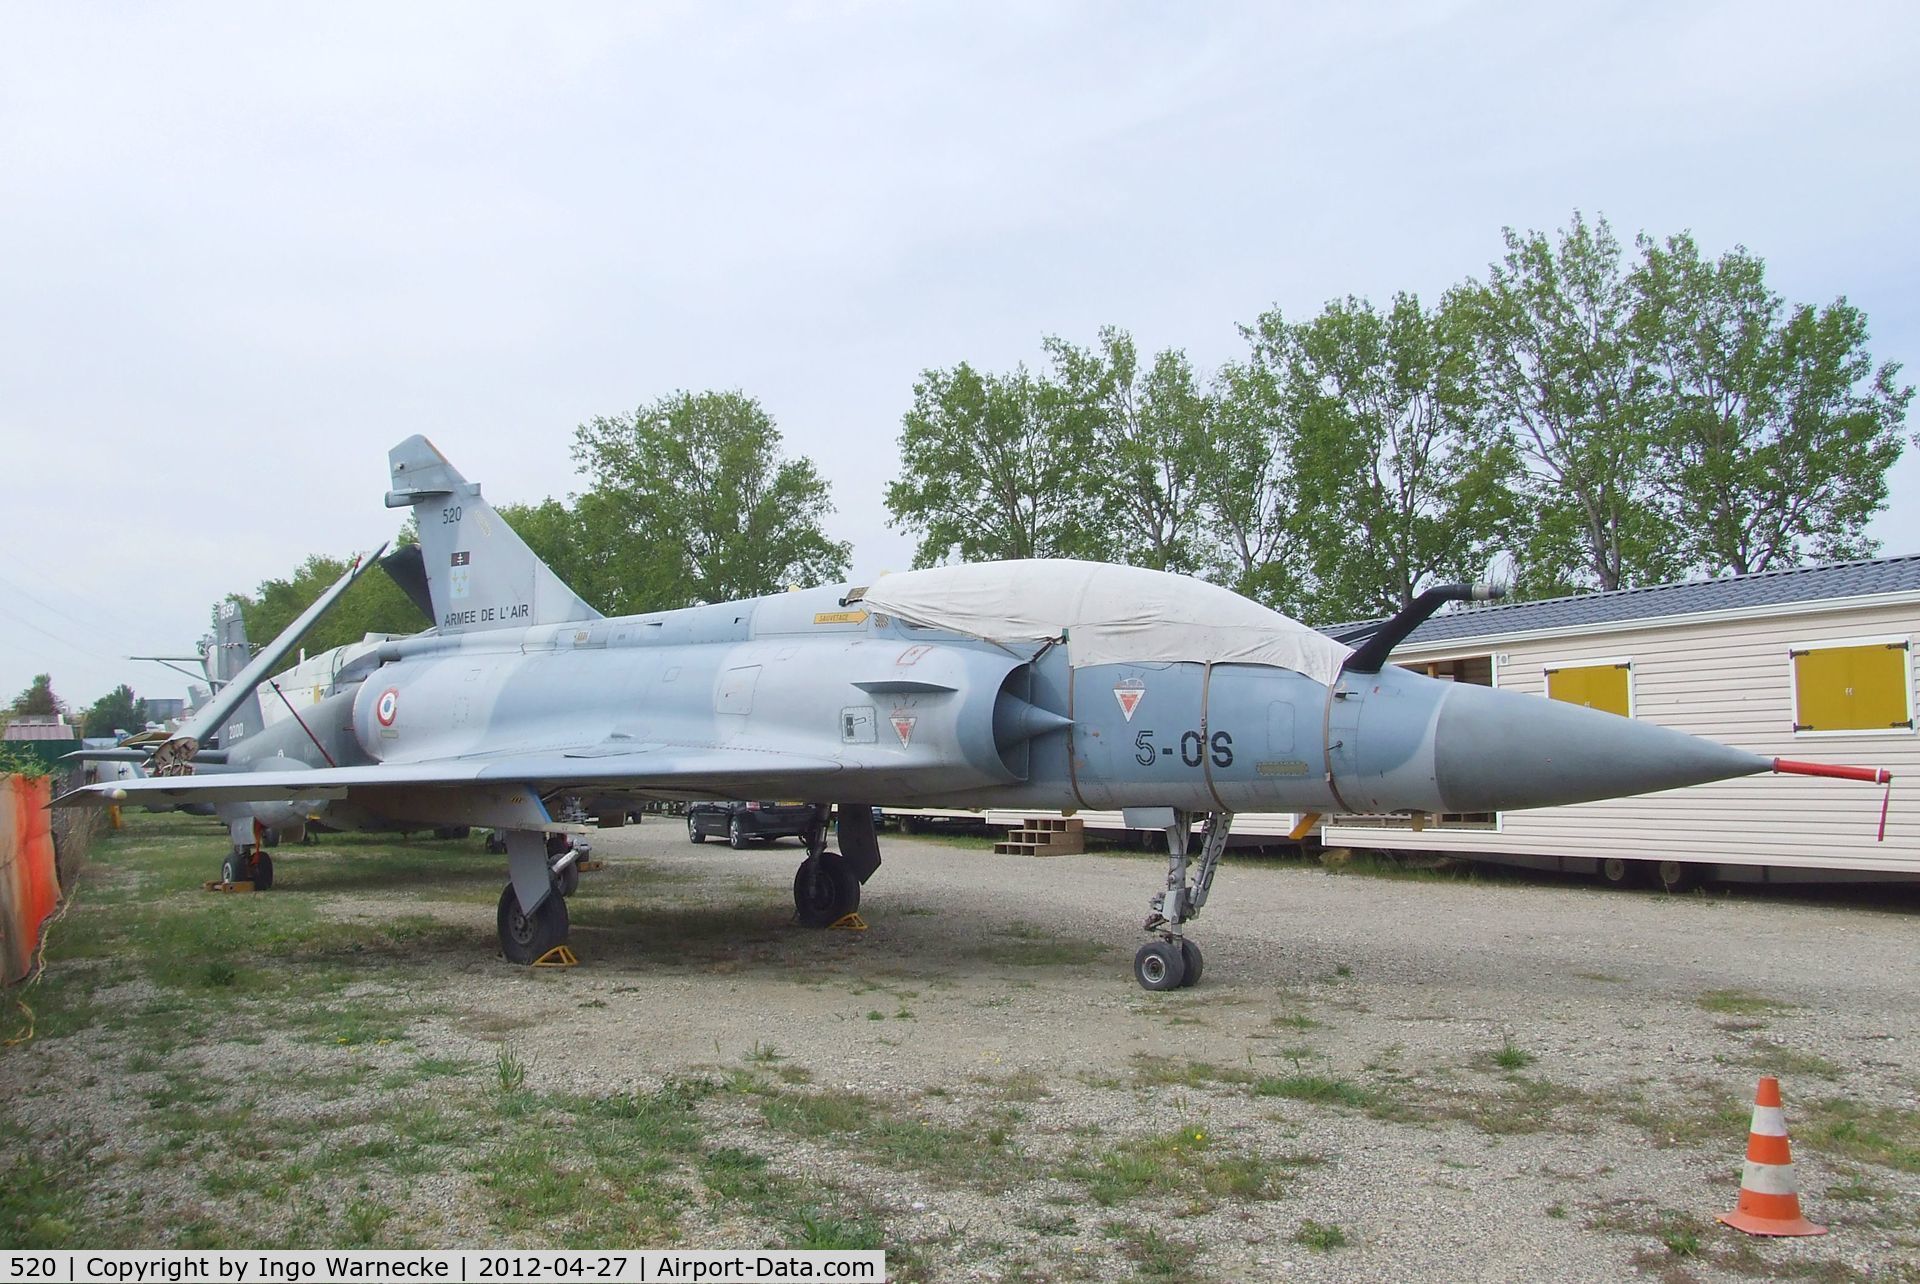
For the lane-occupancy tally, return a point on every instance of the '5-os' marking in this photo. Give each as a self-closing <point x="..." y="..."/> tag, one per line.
<point x="1193" y="749"/>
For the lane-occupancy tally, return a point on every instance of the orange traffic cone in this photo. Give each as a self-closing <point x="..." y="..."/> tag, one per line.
<point x="1769" y="1203"/>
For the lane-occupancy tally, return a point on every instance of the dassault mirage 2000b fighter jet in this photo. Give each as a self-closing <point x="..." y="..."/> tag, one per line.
<point x="1046" y="685"/>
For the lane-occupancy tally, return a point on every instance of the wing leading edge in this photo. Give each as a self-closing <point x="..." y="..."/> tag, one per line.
<point x="733" y="771"/>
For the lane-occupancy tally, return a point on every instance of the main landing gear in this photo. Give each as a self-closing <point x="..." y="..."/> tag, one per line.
<point x="247" y="859"/>
<point x="1173" y="961"/>
<point x="826" y="887"/>
<point x="532" y="917"/>
<point x="248" y="864"/>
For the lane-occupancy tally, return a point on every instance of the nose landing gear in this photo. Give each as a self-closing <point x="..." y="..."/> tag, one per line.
<point x="1174" y="962"/>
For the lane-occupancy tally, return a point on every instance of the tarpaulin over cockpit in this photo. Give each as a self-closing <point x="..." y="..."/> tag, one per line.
<point x="1109" y="614"/>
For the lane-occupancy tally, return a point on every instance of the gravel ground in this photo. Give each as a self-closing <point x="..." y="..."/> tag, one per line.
<point x="1530" y="1079"/>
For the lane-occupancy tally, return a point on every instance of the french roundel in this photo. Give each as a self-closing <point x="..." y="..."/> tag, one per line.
<point x="388" y="706"/>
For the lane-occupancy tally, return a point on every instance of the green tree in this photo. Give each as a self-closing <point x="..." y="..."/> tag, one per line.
<point x="374" y="604"/>
<point x="1247" y="484"/>
<point x="558" y="537"/>
<point x="1149" y="433"/>
<point x="993" y="467"/>
<point x="39" y="698"/>
<point x="118" y="710"/>
<point x="1384" y="415"/>
<point x="1562" y="375"/>
<point x="1775" y="430"/>
<point x="690" y="501"/>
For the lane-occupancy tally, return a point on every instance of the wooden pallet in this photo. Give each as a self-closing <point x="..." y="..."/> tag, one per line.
<point x="1045" y="836"/>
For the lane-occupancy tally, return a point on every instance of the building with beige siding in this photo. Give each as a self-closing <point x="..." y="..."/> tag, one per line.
<point x="1814" y="664"/>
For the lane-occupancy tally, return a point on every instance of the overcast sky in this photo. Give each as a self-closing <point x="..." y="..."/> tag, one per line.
<point x="244" y="250"/>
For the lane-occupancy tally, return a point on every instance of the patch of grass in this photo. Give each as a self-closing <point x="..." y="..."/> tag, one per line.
<point x="1723" y="1118"/>
<point x="43" y="1186"/>
<point x="364" y="1221"/>
<point x="1317" y="1089"/>
<point x="1682" y="1242"/>
<point x="979" y="1155"/>
<point x="1739" y="1003"/>
<point x="1777" y="1058"/>
<point x="1321" y="1237"/>
<point x="764" y="1053"/>
<point x="1852" y="1129"/>
<point x="1858" y="1188"/>
<point x="1509" y="1057"/>
<point x="1185" y="1157"/>
<point x="509" y="1068"/>
<point x="1296" y="1021"/>
<point x="1154" y="1256"/>
<point x="1041" y="1222"/>
<point x="1152" y="1071"/>
<point x="1522" y="1104"/>
<point x="819" y="1229"/>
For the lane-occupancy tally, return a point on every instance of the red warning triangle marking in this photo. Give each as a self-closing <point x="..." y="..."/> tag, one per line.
<point x="1129" y="698"/>
<point x="903" y="727"/>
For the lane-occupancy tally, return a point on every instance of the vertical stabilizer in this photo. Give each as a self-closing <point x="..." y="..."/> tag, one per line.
<point x="479" y="573"/>
<point x="229" y="654"/>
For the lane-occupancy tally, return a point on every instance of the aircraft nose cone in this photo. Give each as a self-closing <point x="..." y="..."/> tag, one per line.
<point x="1502" y="751"/>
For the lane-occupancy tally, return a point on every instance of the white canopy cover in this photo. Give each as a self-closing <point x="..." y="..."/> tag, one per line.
<point x="1110" y="614"/>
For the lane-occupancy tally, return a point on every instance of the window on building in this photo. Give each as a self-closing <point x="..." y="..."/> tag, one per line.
<point x="1862" y="686"/>
<point x="1607" y="686"/>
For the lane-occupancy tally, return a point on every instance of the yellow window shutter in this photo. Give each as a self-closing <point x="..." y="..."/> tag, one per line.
<point x="1597" y="686"/>
<point x="1851" y="688"/>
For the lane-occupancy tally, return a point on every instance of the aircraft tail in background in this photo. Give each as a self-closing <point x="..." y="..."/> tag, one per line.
<point x="480" y="575"/>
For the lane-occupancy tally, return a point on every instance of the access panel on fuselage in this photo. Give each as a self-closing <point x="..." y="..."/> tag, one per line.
<point x="1139" y="737"/>
<point x="1239" y="737"/>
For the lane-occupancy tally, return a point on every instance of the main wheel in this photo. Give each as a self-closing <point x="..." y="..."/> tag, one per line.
<point x="824" y="890"/>
<point x="234" y="868"/>
<point x="567" y="881"/>
<point x="1159" y="966"/>
<point x="525" y="937"/>
<point x="262" y="872"/>
<point x="1195" y="964"/>
<point x="736" y="834"/>
<point x="693" y="829"/>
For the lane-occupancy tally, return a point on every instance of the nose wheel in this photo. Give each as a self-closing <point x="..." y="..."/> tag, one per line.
<point x="1173" y="962"/>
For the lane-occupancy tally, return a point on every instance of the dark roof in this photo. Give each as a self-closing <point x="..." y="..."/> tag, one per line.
<point x="1688" y="597"/>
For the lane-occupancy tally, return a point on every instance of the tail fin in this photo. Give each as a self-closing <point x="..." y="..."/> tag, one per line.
<point x="230" y="653"/>
<point x="479" y="573"/>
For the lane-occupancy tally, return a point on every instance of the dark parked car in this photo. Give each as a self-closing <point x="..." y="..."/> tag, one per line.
<point x="739" y="821"/>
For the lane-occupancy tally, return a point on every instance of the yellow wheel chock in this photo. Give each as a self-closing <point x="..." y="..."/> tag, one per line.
<point x="848" y="923"/>
<point x="558" y="956"/>
<point x="216" y="885"/>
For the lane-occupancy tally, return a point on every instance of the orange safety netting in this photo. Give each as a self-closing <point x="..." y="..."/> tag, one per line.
<point x="29" y="888"/>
